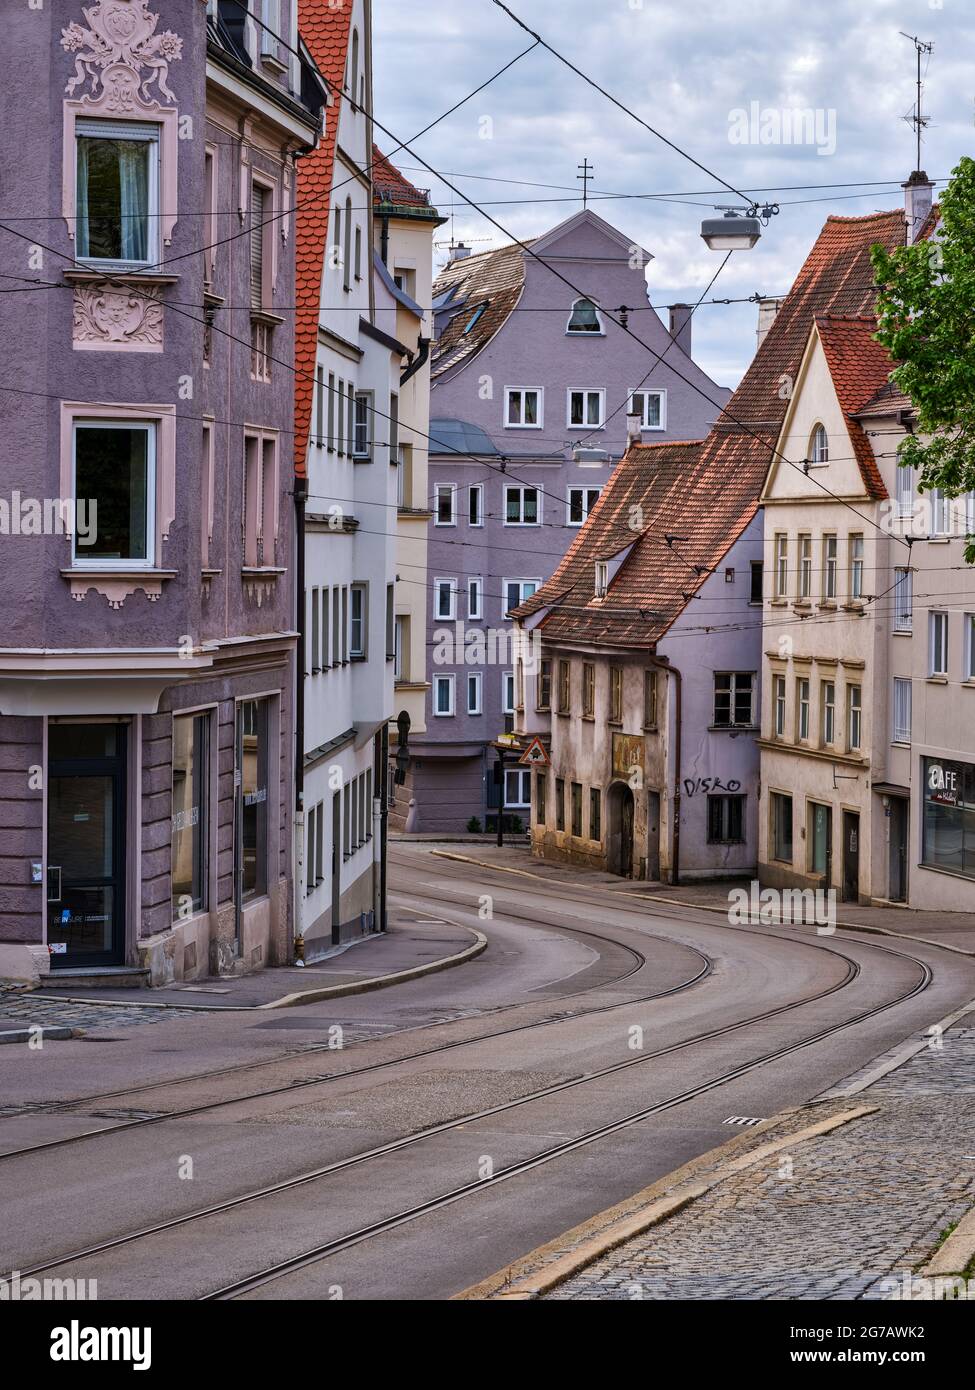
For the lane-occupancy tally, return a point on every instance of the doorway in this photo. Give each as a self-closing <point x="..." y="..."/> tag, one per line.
<point x="653" y="835"/>
<point x="851" y="856"/>
<point x="899" y="816"/>
<point x="86" y="815"/>
<point x="620" y="857"/>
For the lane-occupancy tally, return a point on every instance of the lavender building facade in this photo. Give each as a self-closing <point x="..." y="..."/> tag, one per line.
<point x="532" y="382"/>
<point x="147" y="651"/>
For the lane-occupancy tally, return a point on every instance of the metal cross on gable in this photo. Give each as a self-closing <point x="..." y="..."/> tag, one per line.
<point x="586" y="173"/>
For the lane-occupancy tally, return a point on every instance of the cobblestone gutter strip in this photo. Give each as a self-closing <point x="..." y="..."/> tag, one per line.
<point x="661" y="897"/>
<point x="958" y="1251"/>
<point x="550" y="1265"/>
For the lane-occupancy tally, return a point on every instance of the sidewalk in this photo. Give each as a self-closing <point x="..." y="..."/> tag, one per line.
<point x="412" y="946"/>
<point x="849" y="1197"/>
<point x="955" y="929"/>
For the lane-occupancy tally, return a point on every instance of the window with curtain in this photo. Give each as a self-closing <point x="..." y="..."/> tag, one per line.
<point x="584" y="318"/>
<point x="114" y="479"/>
<point x="116" y="190"/>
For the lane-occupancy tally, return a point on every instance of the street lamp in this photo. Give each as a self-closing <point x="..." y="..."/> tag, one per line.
<point x="733" y="232"/>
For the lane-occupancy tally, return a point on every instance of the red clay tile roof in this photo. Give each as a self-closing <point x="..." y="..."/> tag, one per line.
<point x="707" y="492"/>
<point x="930" y="223"/>
<point x="390" y="186"/>
<point x="859" y="368"/>
<point x="326" y="33"/>
<point x="889" y="400"/>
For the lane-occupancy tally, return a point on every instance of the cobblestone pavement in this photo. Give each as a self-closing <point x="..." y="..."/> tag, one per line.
<point x="18" y="1008"/>
<point x="829" y="1220"/>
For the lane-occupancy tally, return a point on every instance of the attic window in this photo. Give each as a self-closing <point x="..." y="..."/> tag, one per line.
<point x="584" y="318"/>
<point x="602" y="578"/>
<point x="818" y="445"/>
<point x="474" y="317"/>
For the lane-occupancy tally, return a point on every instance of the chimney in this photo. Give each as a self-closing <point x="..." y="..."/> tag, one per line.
<point x="460" y="252"/>
<point x="633" y="435"/>
<point x="918" y="196"/>
<point x="680" y="326"/>
<point x="768" y="307"/>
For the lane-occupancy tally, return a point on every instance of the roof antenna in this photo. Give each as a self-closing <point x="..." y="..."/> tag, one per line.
<point x="917" y="119"/>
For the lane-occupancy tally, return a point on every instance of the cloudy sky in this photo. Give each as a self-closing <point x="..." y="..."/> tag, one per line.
<point x="686" y="69"/>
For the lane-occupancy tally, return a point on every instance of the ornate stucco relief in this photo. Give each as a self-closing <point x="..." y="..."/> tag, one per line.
<point x="112" y="52"/>
<point x="110" y="318"/>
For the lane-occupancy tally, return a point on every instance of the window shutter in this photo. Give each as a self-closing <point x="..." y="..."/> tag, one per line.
<point x="258" y="196"/>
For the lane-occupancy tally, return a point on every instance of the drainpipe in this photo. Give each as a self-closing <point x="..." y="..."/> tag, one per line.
<point x="298" y="885"/>
<point x="384" y="239"/>
<point x="662" y="665"/>
<point x="417" y="362"/>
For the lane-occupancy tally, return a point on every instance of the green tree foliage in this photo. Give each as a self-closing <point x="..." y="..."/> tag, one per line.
<point x="926" y="313"/>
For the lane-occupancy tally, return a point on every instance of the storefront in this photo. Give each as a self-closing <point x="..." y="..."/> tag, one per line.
<point x="948" y="816"/>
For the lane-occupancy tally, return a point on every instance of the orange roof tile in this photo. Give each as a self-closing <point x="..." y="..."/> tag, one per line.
<point x="390" y="186"/>
<point x="705" y="492"/>
<point x="326" y="33"/>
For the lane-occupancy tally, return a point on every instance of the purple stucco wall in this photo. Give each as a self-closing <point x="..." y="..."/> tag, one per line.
<point x="532" y="349"/>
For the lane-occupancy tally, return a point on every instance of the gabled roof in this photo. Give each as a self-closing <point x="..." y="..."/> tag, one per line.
<point x="859" y="367"/>
<point x="325" y="32"/>
<point x="492" y="278"/>
<point x="708" y="491"/>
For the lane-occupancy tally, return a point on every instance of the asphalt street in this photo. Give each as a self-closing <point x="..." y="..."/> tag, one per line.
<point x="598" y="1043"/>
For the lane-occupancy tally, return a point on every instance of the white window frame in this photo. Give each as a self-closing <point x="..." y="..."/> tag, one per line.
<point x="827" y="730"/>
<point x="778" y="705"/>
<point x="858" y="558"/>
<point x="831" y="563"/>
<point x="600" y="586"/>
<point x="938" y="623"/>
<point x="510" y="391"/>
<point x="970" y="646"/>
<point x="818" y="446"/>
<point x="585" y="392"/>
<point x="523" y="775"/>
<point x="903" y="619"/>
<point x="81" y="560"/>
<point x="451" y="490"/>
<point x="781" y="569"/>
<point x="940" y="513"/>
<point x="586" y="509"/>
<point x="521" y="490"/>
<point x="643" y="413"/>
<point x="584" y="332"/>
<point x="803" y="709"/>
<point x="475" y="681"/>
<point x="475" y="587"/>
<point x="506" y="607"/>
<point x="476" y="490"/>
<point x="905" y="489"/>
<point x="805" y="565"/>
<point x="358" y="591"/>
<point x="437" y="592"/>
<point x="901" y="695"/>
<point x="363" y="449"/>
<point x="854" y="718"/>
<point x="144" y="132"/>
<point x="439" y="681"/>
<point x="508" y="706"/>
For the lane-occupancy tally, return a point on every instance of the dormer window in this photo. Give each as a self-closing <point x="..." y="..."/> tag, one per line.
<point x="602" y="578"/>
<point x="584" y="318"/>
<point x="818" y="445"/>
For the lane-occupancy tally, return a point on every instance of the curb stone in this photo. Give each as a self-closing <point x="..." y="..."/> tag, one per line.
<point x="529" y="1277"/>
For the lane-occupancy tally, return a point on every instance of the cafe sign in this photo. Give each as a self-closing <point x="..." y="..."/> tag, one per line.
<point x="628" y="755"/>
<point x="942" y="783"/>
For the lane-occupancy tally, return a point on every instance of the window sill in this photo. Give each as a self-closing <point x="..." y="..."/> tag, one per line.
<point x="829" y="604"/>
<point x="113" y="270"/>
<point x="262" y="571"/>
<point x="116" y="584"/>
<point x="591" y="718"/>
<point x="902" y="632"/>
<point x="778" y="603"/>
<point x="264" y="316"/>
<point x="733" y="728"/>
<point x="936" y="680"/>
<point x="854" y="606"/>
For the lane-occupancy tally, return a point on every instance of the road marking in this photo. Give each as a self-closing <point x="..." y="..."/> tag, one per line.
<point x="744" y="1121"/>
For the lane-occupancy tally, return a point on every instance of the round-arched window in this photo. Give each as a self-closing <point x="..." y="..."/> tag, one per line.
<point x="819" y="445"/>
